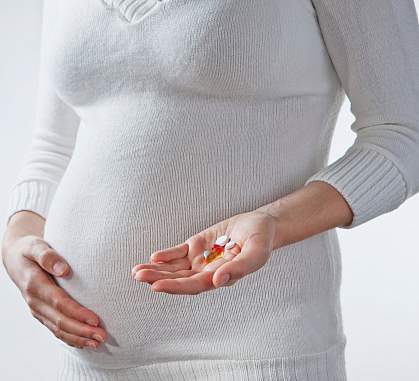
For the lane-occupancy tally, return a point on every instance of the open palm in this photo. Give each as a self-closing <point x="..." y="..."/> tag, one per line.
<point x="182" y="269"/>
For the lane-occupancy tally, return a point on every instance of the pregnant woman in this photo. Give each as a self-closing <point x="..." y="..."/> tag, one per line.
<point x="164" y="127"/>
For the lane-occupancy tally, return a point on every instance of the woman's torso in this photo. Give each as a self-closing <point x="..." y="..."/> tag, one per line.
<point x="202" y="110"/>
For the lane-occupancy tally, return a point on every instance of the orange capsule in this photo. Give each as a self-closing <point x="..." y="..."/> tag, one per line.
<point x="213" y="254"/>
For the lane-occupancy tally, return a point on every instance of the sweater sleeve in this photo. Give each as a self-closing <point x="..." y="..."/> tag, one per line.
<point x="374" y="47"/>
<point x="52" y="141"/>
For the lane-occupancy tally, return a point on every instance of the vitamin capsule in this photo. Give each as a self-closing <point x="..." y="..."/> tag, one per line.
<point x="222" y="240"/>
<point x="216" y="252"/>
<point x="230" y="244"/>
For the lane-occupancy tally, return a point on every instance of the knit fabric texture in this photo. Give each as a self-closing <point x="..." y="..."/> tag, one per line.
<point x="157" y="119"/>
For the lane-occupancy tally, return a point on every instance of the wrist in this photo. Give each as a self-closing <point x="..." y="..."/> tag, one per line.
<point x="279" y="214"/>
<point x="309" y="210"/>
<point x="21" y="224"/>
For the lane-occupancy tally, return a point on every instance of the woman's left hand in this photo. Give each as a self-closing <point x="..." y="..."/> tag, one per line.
<point x="181" y="269"/>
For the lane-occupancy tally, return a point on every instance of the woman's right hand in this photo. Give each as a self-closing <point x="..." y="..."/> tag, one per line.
<point x="30" y="262"/>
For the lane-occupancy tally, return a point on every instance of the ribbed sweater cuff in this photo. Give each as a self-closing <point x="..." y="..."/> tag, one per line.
<point x="370" y="183"/>
<point x="32" y="195"/>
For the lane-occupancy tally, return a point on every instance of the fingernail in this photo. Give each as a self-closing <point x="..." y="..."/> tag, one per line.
<point x="91" y="344"/>
<point x="98" y="337"/>
<point x="224" y="279"/>
<point x="59" y="268"/>
<point x="91" y="322"/>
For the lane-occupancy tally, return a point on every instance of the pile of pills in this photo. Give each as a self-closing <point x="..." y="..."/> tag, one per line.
<point x="217" y="250"/>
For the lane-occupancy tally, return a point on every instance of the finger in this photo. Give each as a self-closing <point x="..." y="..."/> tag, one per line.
<point x="192" y="285"/>
<point x="171" y="253"/>
<point x="62" y="302"/>
<point x="47" y="258"/>
<point x="175" y="265"/>
<point x="68" y="338"/>
<point x="41" y="286"/>
<point x="253" y="256"/>
<point x="230" y="283"/>
<point x="150" y="275"/>
<point x="66" y="323"/>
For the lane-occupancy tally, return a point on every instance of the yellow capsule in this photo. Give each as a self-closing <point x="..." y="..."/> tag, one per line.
<point x="215" y="253"/>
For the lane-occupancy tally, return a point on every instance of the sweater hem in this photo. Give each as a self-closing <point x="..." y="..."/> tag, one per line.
<point x="328" y="365"/>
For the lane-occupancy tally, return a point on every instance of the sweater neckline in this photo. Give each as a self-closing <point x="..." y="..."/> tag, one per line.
<point x="132" y="11"/>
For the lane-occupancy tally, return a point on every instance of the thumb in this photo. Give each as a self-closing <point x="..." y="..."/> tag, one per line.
<point x="46" y="257"/>
<point x="252" y="257"/>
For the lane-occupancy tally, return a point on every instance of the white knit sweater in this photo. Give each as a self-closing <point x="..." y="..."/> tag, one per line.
<point x="157" y="119"/>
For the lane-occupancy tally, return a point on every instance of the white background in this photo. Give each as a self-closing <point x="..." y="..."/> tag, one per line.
<point x="380" y="281"/>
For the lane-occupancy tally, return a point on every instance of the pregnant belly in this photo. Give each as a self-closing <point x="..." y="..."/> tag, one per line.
<point x="111" y="213"/>
<point x="286" y="307"/>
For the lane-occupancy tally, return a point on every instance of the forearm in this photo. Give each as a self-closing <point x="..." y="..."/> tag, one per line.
<point x="310" y="210"/>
